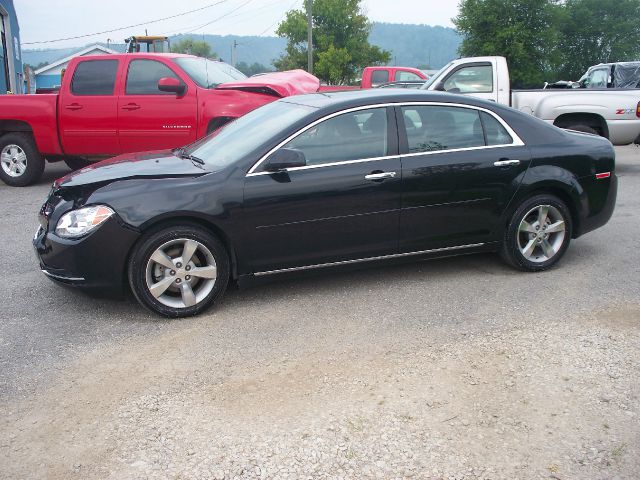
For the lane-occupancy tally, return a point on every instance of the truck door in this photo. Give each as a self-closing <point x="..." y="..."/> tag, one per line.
<point x="88" y="109"/>
<point x="150" y="119"/>
<point x="475" y="79"/>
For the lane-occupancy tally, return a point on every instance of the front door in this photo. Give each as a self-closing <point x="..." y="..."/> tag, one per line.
<point x="89" y="111"/>
<point x="150" y="119"/>
<point x="344" y="205"/>
<point x="461" y="167"/>
<point x="475" y="79"/>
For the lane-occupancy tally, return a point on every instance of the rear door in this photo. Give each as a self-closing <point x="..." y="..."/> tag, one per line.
<point x="343" y="206"/>
<point x="149" y="119"/>
<point x="461" y="166"/>
<point x="88" y="112"/>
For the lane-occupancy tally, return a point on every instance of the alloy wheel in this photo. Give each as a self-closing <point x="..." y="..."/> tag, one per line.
<point x="13" y="160"/>
<point x="181" y="273"/>
<point x="541" y="233"/>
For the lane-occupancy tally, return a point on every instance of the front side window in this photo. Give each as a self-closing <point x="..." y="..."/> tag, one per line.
<point x="378" y="77"/>
<point x="94" y="77"/>
<point x="432" y="128"/>
<point x="351" y="136"/>
<point x="406" y="76"/>
<point x="143" y="77"/>
<point x="472" y="79"/>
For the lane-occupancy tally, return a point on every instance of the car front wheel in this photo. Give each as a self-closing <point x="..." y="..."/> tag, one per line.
<point x="178" y="271"/>
<point x="538" y="234"/>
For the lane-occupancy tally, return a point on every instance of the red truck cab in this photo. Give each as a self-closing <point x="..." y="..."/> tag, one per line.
<point x="113" y="104"/>
<point x="375" y="76"/>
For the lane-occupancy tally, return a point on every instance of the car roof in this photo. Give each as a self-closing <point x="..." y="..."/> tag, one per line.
<point x="355" y="98"/>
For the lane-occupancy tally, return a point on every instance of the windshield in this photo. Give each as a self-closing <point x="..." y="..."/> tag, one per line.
<point x="207" y="73"/>
<point x="239" y="138"/>
<point x="435" y="77"/>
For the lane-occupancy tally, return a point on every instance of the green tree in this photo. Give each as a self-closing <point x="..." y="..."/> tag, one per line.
<point x="252" y="69"/>
<point x="597" y="31"/>
<point x="340" y="41"/>
<point x="523" y="31"/>
<point x="193" y="47"/>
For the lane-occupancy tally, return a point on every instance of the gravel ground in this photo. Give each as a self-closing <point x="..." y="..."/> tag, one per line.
<point x="451" y="369"/>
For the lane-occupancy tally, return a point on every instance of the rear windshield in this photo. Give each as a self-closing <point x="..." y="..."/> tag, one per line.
<point x="207" y="73"/>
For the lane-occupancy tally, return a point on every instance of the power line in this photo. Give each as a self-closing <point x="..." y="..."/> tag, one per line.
<point x="130" y="26"/>
<point x="187" y="30"/>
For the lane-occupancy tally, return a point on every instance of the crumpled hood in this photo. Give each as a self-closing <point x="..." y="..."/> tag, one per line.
<point x="156" y="164"/>
<point x="281" y="84"/>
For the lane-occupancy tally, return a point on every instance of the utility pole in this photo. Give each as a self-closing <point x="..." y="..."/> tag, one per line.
<point x="309" y="36"/>
<point x="234" y="53"/>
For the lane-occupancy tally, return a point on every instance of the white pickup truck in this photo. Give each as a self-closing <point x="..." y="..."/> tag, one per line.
<point x="611" y="113"/>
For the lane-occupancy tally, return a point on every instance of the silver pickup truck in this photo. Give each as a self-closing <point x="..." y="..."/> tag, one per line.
<point x="609" y="112"/>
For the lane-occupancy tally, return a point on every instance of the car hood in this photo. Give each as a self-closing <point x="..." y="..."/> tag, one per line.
<point x="280" y="84"/>
<point x="157" y="164"/>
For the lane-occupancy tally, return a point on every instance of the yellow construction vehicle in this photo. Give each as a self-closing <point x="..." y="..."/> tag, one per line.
<point x="148" y="44"/>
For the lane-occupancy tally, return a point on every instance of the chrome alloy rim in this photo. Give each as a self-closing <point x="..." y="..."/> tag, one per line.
<point x="541" y="233"/>
<point x="181" y="273"/>
<point x="14" y="160"/>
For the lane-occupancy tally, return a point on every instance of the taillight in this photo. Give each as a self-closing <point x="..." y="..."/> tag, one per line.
<point x="638" y="110"/>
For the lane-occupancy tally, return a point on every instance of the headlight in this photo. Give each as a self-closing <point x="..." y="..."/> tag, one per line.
<point x="80" y="222"/>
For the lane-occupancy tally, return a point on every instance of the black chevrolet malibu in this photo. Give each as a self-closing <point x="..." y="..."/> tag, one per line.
<point x="325" y="180"/>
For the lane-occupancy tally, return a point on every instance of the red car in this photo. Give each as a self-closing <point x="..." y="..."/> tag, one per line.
<point x="113" y="104"/>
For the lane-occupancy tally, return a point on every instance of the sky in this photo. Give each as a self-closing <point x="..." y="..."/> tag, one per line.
<point x="42" y="20"/>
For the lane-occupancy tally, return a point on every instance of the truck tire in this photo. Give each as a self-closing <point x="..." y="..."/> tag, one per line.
<point x="584" y="128"/>
<point x="76" y="163"/>
<point x="20" y="161"/>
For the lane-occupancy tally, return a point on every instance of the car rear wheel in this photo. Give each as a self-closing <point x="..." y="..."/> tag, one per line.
<point x="20" y="162"/>
<point x="538" y="234"/>
<point x="178" y="271"/>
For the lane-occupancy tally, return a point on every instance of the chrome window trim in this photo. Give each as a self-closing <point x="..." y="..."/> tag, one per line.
<point x="517" y="141"/>
<point x="368" y="259"/>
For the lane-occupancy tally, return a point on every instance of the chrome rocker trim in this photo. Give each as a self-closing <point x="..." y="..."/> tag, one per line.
<point x="369" y="259"/>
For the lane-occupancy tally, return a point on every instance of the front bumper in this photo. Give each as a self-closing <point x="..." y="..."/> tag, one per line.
<point x="96" y="261"/>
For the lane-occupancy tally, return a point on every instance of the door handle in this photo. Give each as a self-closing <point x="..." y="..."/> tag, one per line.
<point x="131" y="106"/>
<point x="380" y="176"/>
<point x="506" y="163"/>
<point x="73" y="106"/>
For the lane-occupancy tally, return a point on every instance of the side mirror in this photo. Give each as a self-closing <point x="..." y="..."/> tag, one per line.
<point x="285" y="158"/>
<point x="440" y="87"/>
<point x="171" y="85"/>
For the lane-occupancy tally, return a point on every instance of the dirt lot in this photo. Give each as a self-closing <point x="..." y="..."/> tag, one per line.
<point x="459" y="369"/>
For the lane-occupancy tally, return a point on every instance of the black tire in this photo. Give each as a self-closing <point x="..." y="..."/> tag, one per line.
<point x="583" y="128"/>
<point x="76" y="163"/>
<point x="24" y="144"/>
<point x="140" y="266"/>
<point x="516" y="239"/>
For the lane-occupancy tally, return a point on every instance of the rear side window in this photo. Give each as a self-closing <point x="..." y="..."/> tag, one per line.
<point x="495" y="132"/>
<point x="94" y="77"/>
<point x="143" y="77"/>
<point x="433" y="128"/>
<point x="379" y="77"/>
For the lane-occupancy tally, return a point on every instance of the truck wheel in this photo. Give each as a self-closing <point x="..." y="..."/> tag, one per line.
<point x="76" y="163"/>
<point x="21" y="163"/>
<point x="583" y="128"/>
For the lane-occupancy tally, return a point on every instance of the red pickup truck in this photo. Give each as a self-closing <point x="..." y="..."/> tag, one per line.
<point x="113" y="104"/>
<point x="376" y="76"/>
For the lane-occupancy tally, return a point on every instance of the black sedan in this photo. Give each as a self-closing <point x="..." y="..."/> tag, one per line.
<point x="326" y="180"/>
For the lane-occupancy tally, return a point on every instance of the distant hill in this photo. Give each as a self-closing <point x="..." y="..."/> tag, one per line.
<point x="410" y="45"/>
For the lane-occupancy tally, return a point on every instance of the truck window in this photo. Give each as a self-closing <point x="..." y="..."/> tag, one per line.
<point x="598" y="78"/>
<point x="378" y="77"/>
<point x="406" y="76"/>
<point x="143" y="77"/>
<point x="471" y="79"/>
<point x="94" y="77"/>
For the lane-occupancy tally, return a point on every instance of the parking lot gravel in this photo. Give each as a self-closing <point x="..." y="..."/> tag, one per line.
<point x="459" y="368"/>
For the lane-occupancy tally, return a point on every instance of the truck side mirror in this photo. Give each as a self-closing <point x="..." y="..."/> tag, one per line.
<point x="171" y="85"/>
<point x="285" y="158"/>
<point x="440" y="87"/>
